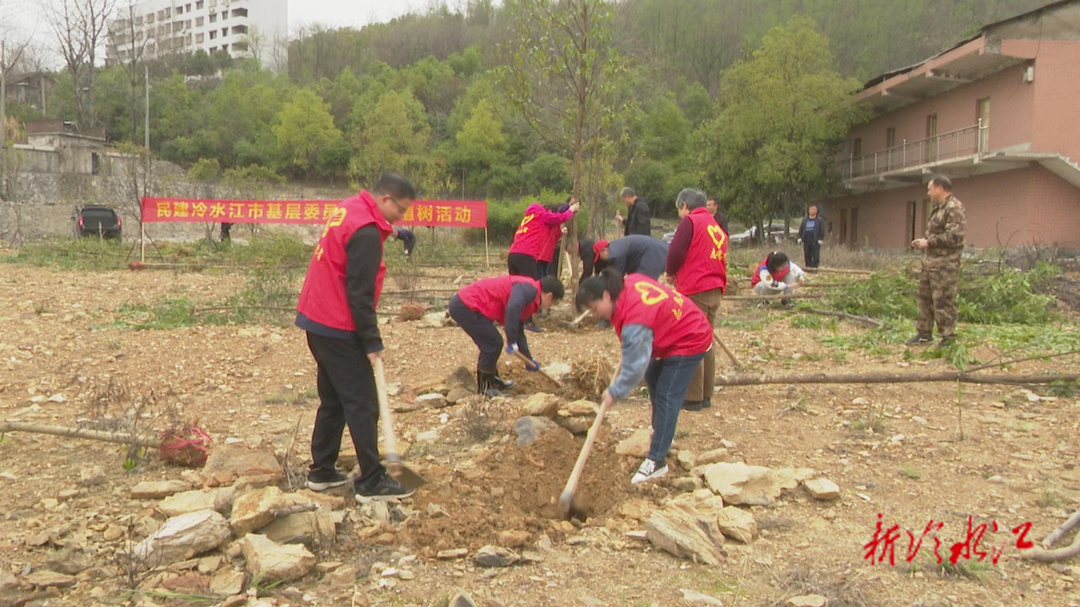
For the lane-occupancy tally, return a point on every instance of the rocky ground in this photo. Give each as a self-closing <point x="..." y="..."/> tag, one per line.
<point x="748" y="516"/>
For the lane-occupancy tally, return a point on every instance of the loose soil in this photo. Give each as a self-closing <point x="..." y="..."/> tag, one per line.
<point x="899" y="455"/>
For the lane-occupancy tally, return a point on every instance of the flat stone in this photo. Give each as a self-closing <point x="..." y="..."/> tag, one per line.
<point x="528" y="429"/>
<point x="188" y="583"/>
<point x="436" y="320"/>
<point x="183" y="537"/>
<point x="326" y="500"/>
<point x="69" y="561"/>
<point x="494" y="556"/>
<point x="695" y="597"/>
<point x="687" y="483"/>
<point x="686" y="533"/>
<point x="576" y="425"/>
<point x="462" y="378"/>
<point x="113" y="533"/>
<point x="227" y="463"/>
<point x="256" y="509"/>
<point x="739" y="483"/>
<point x="91" y="477"/>
<point x="344" y="576"/>
<point x="687" y="459"/>
<point x="312" y="529"/>
<point x="456" y="395"/>
<point x="434" y="400"/>
<point x="637" y="445"/>
<point x="712" y="456"/>
<point x="455" y="553"/>
<point x="155" y="490"/>
<point x="557" y="370"/>
<point x="808" y="600"/>
<point x="737" y="524"/>
<point x="44" y="578"/>
<point x="8" y="583"/>
<point x="209" y="564"/>
<point x="272" y="562"/>
<point x="428" y="436"/>
<point x="541" y="404"/>
<point x="579" y="408"/>
<point x="514" y="539"/>
<point x="227" y="582"/>
<point x="219" y="499"/>
<point x="822" y="489"/>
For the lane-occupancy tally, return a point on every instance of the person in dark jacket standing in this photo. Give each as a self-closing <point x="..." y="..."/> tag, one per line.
<point x="638" y="220"/>
<point x="812" y="234"/>
<point x="337" y="309"/>
<point x="713" y="207"/>
<point x="634" y="254"/>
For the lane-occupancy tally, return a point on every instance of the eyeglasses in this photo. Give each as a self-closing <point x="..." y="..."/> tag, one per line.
<point x="400" y="208"/>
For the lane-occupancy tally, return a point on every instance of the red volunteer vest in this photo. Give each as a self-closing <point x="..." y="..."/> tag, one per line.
<point x="323" y="298"/>
<point x="679" y="327"/>
<point x="489" y="296"/>
<point x="531" y="234"/>
<point x="547" y="250"/>
<point x="705" y="267"/>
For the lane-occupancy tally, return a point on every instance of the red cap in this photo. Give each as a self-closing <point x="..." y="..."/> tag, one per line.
<point x="600" y="245"/>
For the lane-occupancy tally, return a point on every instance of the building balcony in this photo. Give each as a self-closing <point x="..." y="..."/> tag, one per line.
<point x="908" y="162"/>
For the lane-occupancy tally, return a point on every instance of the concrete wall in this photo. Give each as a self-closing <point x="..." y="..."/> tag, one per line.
<point x="1057" y="87"/>
<point x="1018" y="207"/>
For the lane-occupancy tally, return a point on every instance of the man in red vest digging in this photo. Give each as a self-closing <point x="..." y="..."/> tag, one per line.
<point x="337" y="309"/>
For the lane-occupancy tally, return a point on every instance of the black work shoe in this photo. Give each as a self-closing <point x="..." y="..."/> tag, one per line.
<point x="532" y="328"/>
<point x="319" y="479"/>
<point x="486" y="384"/>
<point x="693" y="405"/>
<point x="705" y="404"/>
<point x="384" y="487"/>
<point x="920" y="339"/>
<point x="500" y="383"/>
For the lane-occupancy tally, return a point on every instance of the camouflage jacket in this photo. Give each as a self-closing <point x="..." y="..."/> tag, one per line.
<point x="945" y="230"/>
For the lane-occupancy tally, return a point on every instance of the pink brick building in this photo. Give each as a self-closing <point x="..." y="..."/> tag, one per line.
<point x="998" y="113"/>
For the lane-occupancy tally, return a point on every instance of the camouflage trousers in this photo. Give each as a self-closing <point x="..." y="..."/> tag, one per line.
<point x="937" y="298"/>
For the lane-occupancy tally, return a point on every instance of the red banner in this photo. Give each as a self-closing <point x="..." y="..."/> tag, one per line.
<point x="446" y="214"/>
<point x="438" y="213"/>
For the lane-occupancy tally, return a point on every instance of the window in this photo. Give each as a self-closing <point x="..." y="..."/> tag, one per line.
<point x="855" y="227"/>
<point x="187" y="7"/>
<point x="213" y="17"/>
<point x="890" y="143"/>
<point x="224" y="15"/>
<point x="239" y="12"/>
<point x="179" y="10"/>
<point x="199" y="4"/>
<point x="213" y="34"/>
<point x="931" y="136"/>
<point x="224" y="32"/>
<point x="912" y="228"/>
<point x="224" y="48"/>
<point x="199" y="21"/>
<point x="212" y="49"/>
<point x="856" y="147"/>
<point x="199" y="38"/>
<point x="842" y="237"/>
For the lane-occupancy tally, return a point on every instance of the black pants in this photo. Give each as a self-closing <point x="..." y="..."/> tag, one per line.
<point x="347" y="395"/>
<point x="811" y="252"/>
<point x="481" y="330"/>
<point x="521" y="264"/>
<point x="543" y="268"/>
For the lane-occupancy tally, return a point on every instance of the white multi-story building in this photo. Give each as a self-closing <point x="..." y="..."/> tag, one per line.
<point x="153" y="28"/>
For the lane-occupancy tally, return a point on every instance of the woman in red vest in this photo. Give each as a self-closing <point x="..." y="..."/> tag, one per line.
<point x="664" y="337"/>
<point x="337" y="309"/>
<point x="697" y="261"/>
<point x="536" y="234"/>
<point x="509" y="301"/>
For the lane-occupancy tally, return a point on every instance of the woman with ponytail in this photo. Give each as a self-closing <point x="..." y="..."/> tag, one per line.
<point x="664" y="336"/>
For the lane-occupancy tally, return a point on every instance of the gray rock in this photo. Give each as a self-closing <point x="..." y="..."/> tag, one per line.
<point x="739" y="483"/>
<point x="528" y="429"/>
<point x="436" y="320"/>
<point x="808" y="600"/>
<point x="434" y="400"/>
<point x="461" y="600"/>
<point x="462" y="378"/>
<point x="69" y="561"/>
<point x="686" y="533"/>
<point x="312" y="529"/>
<point x="576" y="425"/>
<point x="183" y="537"/>
<point x="456" y="395"/>
<point x="495" y="556"/>
<point x="93" y="477"/>
<point x="693" y="596"/>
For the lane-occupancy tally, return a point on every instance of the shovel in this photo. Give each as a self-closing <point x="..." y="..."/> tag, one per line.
<point x="408" y="478"/>
<point x="716" y="338"/>
<point x="567" y="506"/>
<point x="577" y="321"/>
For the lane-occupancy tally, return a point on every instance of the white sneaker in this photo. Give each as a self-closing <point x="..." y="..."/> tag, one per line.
<point x="648" y="472"/>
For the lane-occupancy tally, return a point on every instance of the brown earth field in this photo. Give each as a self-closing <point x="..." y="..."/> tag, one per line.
<point x="893" y="449"/>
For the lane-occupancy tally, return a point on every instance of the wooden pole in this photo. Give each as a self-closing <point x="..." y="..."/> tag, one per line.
<point x="892" y="378"/>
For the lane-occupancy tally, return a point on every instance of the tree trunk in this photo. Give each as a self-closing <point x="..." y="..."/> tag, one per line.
<point x="891" y="378"/>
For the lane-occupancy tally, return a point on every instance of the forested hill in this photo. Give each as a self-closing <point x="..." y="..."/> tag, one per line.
<point x="697" y="39"/>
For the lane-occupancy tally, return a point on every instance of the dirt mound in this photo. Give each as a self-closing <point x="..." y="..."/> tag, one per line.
<point x="512" y="488"/>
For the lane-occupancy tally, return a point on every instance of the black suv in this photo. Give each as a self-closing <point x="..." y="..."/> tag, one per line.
<point x="97" y="220"/>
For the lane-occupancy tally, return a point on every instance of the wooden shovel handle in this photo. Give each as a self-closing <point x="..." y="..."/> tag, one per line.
<point x="392" y="454"/>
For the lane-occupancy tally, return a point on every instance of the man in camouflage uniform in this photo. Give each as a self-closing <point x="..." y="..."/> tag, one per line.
<point x="941" y="264"/>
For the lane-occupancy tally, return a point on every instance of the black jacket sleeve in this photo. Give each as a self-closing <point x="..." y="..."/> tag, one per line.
<point x="721" y="219"/>
<point x="819" y="228"/>
<point x="520" y="296"/>
<point x="364" y="250"/>
<point x="642" y="219"/>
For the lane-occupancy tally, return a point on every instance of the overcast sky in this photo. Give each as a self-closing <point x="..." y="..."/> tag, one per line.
<point x="22" y="18"/>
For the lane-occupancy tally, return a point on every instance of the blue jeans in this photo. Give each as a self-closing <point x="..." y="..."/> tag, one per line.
<point x="668" y="380"/>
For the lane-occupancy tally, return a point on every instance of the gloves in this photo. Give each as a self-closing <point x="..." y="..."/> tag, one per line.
<point x="799" y="241"/>
<point x="776" y="284"/>
<point x="408" y="239"/>
<point x="535" y="366"/>
<point x="821" y="242"/>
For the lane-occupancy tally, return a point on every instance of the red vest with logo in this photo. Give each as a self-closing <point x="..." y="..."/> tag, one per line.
<point x="547" y="250"/>
<point x="756" y="278"/>
<point x="323" y="298"/>
<point x="489" y="296"/>
<point x="705" y="266"/>
<point x="679" y="327"/>
<point x="532" y="234"/>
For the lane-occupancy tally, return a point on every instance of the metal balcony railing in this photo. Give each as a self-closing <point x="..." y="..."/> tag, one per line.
<point x="953" y="144"/>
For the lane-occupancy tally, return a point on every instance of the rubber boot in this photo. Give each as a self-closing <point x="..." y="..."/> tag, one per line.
<point x="500" y="383"/>
<point x="485" y="384"/>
